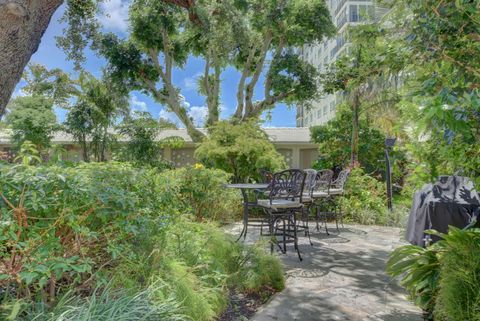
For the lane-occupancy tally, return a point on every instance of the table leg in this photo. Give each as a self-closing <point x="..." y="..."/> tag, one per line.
<point x="245" y="216"/>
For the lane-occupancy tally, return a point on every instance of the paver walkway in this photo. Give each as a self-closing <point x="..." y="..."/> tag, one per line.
<point x="341" y="277"/>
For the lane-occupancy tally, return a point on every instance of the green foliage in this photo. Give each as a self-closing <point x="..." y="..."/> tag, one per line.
<point x="334" y="140"/>
<point x="28" y="154"/>
<point x="365" y="199"/>
<point x="234" y="33"/>
<point x="204" y="263"/>
<point x="104" y="304"/>
<point x="418" y="270"/>
<point x="241" y="150"/>
<point x="441" y="101"/>
<point x="142" y="146"/>
<point x="81" y="29"/>
<point x="63" y="223"/>
<point x="32" y="118"/>
<point x="54" y="84"/>
<point x="442" y="279"/>
<point x="459" y="291"/>
<point x="98" y="105"/>
<point x="199" y="191"/>
<point x="66" y="230"/>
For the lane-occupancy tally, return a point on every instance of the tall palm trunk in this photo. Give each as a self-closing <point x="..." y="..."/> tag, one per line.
<point x="354" y="162"/>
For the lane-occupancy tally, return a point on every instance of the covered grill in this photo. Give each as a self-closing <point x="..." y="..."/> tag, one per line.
<point x="451" y="200"/>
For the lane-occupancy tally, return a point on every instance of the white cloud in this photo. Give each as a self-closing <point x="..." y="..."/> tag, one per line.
<point x="19" y="93"/>
<point x="115" y="15"/>
<point x="191" y="83"/>
<point x="198" y="114"/>
<point x="167" y="115"/>
<point x="138" y="104"/>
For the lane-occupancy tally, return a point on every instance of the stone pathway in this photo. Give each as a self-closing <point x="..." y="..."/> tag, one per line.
<point x="341" y="277"/>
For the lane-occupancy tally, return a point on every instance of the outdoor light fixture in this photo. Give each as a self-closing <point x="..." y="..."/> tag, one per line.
<point x="389" y="143"/>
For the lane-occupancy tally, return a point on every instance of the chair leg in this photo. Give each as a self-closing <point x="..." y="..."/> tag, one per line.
<point x="270" y="229"/>
<point x="341" y="215"/>
<point x="295" y="240"/>
<point x="307" y="227"/>
<point x="284" y="236"/>
<point x="317" y="216"/>
<point x="325" y="222"/>
<point x="336" y="218"/>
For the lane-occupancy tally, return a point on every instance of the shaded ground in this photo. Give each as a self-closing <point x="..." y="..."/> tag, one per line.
<point x="341" y="277"/>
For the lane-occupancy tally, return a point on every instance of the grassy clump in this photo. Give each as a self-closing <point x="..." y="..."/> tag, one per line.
<point x="203" y="263"/>
<point x="459" y="286"/>
<point x="146" y="234"/>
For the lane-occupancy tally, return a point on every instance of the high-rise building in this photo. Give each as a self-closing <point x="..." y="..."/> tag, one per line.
<point x="344" y="13"/>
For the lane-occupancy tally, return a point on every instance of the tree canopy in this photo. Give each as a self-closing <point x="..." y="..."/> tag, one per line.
<point x="258" y="38"/>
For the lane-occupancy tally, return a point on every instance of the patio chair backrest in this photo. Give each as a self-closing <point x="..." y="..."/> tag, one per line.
<point x="339" y="183"/>
<point x="323" y="180"/>
<point x="288" y="184"/>
<point x="310" y="180"/>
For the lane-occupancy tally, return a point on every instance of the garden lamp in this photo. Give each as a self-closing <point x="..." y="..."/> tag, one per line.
<point x="389" y="143"/>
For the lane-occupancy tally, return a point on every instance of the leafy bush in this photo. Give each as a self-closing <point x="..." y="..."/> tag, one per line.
<point x="443" y="278"/>
<point x="459" y="287"/>
<point x="365" y="199"/>
<point x="32" y="118"/>
<point x="142" y="147"/>
<point x="241" y="150"/>
<point x="114" y="241"/>
<point x="199" y="191"/>
<point x="334" y="139"/>
<point x="418" y="270"/>
<point x="103" y="305"/>
<point x="200" y="263"/>
<point x="62" y="224"/>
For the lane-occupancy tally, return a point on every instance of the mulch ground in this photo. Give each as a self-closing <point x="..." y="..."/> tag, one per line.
<point x="243" y="306"/>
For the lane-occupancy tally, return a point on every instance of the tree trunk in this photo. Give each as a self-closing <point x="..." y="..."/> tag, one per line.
<point x="22" y="25"/>
<point x="354" y="162"/>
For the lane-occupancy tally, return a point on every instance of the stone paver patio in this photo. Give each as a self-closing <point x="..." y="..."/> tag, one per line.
<point x="342" y="277"/>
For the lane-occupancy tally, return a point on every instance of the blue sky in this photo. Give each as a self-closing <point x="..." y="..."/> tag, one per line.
<point x="116" y="21"/>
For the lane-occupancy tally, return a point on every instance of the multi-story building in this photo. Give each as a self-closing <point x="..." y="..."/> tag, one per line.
<point x="344" y="13"/>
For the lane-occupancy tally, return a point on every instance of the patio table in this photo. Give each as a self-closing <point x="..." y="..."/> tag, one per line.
<point x="245" y="188"/>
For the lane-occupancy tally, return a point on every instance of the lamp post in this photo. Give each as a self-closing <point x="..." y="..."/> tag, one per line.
<point x="389" y="143"/>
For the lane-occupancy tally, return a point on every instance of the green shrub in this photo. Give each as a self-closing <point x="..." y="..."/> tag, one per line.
<point x="459" y="285"/>
<point x="365" y="199"/>
<point x="334" y="140"/>
<point x="103" y="305"/>
<point x="418" y="270"/>
<point x="61" y="224"/>
<point x="200" y="263"/>
<point x="122" y="230"/>
<point x="199" y="191"/>
<point x="443" y="278"/>
<point x="239" y="149"/>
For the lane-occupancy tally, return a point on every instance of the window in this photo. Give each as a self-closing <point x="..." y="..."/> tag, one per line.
<point x="324" y="110"/>
<point x="332" y="106"/>
<point x="353" y="13"/>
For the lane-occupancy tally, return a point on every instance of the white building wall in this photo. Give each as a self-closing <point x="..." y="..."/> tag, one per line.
<point x="344" y="13"/>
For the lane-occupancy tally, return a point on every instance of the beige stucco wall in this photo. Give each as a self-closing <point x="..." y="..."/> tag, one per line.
<point x="296" y="155"/>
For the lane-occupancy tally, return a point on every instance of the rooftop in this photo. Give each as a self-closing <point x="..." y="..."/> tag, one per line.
<point x="285" y="135"/>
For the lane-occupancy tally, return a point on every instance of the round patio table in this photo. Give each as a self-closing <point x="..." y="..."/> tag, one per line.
<point x="245" y="188"/>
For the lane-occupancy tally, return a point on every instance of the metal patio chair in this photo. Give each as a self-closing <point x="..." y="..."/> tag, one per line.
<point x="307" y="201"/>
<point x="327" y="198"/>
<point x="284" y="201"/>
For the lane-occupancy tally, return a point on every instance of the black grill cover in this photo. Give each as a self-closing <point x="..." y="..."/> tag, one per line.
<point x="452" y="200"/>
